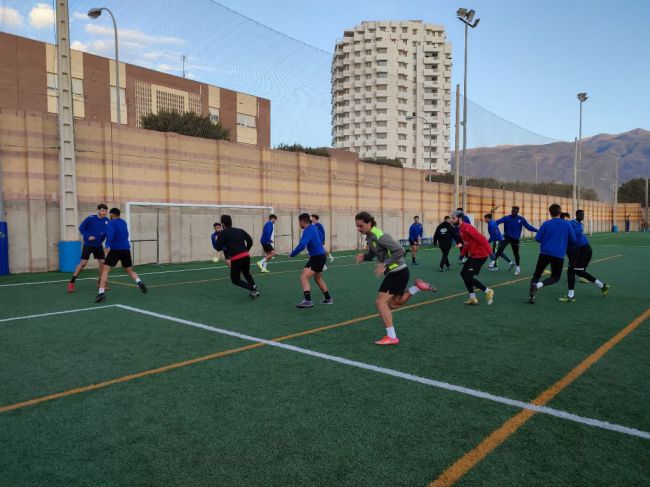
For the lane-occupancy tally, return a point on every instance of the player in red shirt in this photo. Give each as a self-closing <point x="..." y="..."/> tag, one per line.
<point x="477" y="249"/>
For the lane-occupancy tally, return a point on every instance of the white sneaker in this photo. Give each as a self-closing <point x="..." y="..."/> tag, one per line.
<point x="324" y="267"/>
<point x="517" y="271"/>
<point x="331" y="258"/>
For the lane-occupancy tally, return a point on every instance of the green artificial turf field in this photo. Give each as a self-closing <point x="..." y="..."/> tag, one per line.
<point x="185" y="385"/>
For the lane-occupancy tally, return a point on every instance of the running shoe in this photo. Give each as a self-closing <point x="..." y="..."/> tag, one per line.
<point x="424" y="286"/>
<point x="387" y="341"/>
<point x="566" y="299"/>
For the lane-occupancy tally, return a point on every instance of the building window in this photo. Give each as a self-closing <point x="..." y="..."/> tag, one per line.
<point x="213" y="114"/>
<point x="246" y="120"/>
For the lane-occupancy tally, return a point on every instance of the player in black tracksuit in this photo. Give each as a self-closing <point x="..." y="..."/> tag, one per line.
<point x="443" y="237"/>
<point x="238" y="243"/>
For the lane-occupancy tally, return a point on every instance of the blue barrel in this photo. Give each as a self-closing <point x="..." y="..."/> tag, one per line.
<point x="615" y="229"/>
<point x="69" y="252"/>
<point x="4" y="249"/>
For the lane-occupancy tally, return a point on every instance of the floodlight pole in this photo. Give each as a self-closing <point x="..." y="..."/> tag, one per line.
<point x="456" y="151"/>
<point x="93" y="14"/>
<point x="464" y="199"/>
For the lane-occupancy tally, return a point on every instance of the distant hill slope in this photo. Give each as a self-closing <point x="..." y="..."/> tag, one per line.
<point x="555" y="161"/>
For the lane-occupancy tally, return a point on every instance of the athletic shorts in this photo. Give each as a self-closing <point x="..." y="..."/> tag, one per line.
<point x="395" y="282"/>
<point x="316" y="263"/>
<point x="115" y="256"/>
<point x="268" y="248"/>
<point x="413" y="242"/>
<point x="580" y="257"/>
<point x="97" y="251"/>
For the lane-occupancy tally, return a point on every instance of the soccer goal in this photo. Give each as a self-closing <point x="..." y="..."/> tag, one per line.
<point x="163" y="233"/>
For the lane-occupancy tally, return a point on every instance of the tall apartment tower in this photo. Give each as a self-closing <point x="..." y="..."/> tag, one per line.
<point x="384" y="72"/>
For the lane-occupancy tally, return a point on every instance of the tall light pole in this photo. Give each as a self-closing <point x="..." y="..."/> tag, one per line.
<point x="93" y="13"/>
<point x="413" y="117"/>
<point x="582" y="97"/>
<point x="467" y="18"/>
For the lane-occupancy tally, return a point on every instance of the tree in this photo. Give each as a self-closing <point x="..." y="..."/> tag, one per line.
<point x="632" y="191"/>
<point x="188" y="123"/>
<point x="314" y="151"/>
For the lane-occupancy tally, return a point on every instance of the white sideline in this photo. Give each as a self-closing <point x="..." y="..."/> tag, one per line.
<point x="43" y="315"/>
<point x="152" y="273"/>
<point x="414" y="378"/>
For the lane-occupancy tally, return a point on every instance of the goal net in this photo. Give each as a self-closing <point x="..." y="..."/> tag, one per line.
<point x="163" y="233"/>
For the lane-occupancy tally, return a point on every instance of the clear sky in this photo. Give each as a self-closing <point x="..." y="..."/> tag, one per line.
<point x="527" y="59"/>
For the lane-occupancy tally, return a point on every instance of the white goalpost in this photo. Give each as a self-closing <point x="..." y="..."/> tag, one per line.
<point x="162" y="232"/>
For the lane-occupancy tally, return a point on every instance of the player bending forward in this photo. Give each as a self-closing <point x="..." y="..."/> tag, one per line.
<point x="393" y="291"/>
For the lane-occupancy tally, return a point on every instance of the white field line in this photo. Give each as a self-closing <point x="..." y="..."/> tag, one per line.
<point x="121" y="276"/>
<point x="413" y="378"/>
<point x="55" y="313"/>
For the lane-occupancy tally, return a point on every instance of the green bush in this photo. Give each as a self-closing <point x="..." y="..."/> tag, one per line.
<point x="314" y="151"/>
<point x="188" y="123"/>
<point x="383" y="161"/>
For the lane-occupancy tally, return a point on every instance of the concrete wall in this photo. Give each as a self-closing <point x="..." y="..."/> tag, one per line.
<point x="116" y="165"/>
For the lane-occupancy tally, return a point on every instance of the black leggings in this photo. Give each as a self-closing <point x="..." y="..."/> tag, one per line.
<point x="502" y="244"/>
<point x="444" y="260"/>
<point x="578" y="261"/>
<point x="556" y="269"/>
<point x="238" y="267"/>
<point x="470" y="269"/>
<point x="514" y="243"/>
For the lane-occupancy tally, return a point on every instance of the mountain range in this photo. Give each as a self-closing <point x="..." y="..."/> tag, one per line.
<point x="555" y="161"/>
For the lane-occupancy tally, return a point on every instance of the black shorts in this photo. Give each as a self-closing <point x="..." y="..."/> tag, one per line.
<point x="413" y="242"/>
<point x="97" y="251"/>
<point x="268" y="248"/>
<point x="115" y="256"/>
<point x="395" y="282"/>
<point x="579" y="258"/>
<point x="316" y="263"/>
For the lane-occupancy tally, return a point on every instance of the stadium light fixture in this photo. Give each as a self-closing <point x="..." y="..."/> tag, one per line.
<point x="94" y="13"/>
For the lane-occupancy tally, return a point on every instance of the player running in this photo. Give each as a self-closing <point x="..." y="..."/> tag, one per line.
<point x="267" y="243"/>
<point x="311" y="240"/>
<point x="512" y="225"/>
<point x="393" y="291"/>
<point x="443" y="238"/>
<point x="93" y="230"/>
<point x="119" y="250"/>
<point x="477" y="249"/>
<point x="579" y="258"/>
<point x="238" y="242"/>
<point x="497" y="240"/>
<point x="217" y="229"/>
<point x="554" y="236"/>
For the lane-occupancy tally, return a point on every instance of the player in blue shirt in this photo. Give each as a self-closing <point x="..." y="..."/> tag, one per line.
<point x="512" y="225"/>
<point x="217" y="229"/>
<point x="311" y="239"/>
<point x="321" y="229"/>
<point x="93" y="230"/>
<point x="579" y="257"/>
<point x="119" y="250"/>
<point x="267" y="243"/>
<point x="498" y="243"/>
<point x="554" y="236"/>
<point x="415" y="234"/>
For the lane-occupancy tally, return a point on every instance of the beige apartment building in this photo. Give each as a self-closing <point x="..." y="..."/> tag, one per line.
<point x="384" y="72"/>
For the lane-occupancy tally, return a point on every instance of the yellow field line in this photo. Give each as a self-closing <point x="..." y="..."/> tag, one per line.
<point x="232" y="351"/>
<point x="468" y="461"/>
